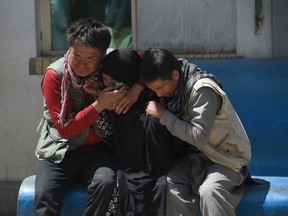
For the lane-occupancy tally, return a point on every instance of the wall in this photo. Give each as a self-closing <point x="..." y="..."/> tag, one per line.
<point x="280" y="28"/>
<point x="249" y="43"/>
<point x="20" y="107"/>
<point x="207" y="26"/>
<point x="187" y="26"/>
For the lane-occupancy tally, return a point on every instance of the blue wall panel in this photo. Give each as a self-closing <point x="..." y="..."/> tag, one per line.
<point x="258" y="89"/>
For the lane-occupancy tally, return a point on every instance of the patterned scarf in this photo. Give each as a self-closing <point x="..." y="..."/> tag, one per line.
<point x="69" y="80"/>
<point x="190" y="74"/>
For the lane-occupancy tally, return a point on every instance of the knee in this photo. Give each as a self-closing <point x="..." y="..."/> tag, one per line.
<point x="208" y="191"/>
<point x="44" y="193"/>
<point x="39" y="195"/>
<point x="41" y="191"/>
<point x="104" y="179"/>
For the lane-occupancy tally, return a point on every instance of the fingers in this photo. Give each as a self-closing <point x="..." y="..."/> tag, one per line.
<point x="127" y="107"/>
<point x="91" y="81"/>
<point x="91" y="86"/>
<point x="122" y="106"/>
<point x="91" y="90"/>
<point x="126" y="102"/>
<point x="108" y="89"/>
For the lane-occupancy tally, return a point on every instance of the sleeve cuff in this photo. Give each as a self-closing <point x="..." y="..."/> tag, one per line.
<point x="92" y="113"/>
<point x="167" y="118"/>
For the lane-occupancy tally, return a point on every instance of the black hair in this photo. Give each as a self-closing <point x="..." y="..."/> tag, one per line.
<point x="89" y="32"/>
<point x="158" y="64"/>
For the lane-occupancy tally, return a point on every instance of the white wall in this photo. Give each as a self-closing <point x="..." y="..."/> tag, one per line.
<point x="203" y="26"/>
<point x="187" y="26"/>
<point x="20" y="106"/>
<point x="248" y="43"/>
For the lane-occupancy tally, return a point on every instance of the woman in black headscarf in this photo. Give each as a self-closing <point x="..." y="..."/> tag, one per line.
<point x="141" y="145"/>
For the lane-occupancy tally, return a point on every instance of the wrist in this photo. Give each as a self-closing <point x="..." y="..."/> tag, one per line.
<point x="97" y="106"/>
<point x="137" y="88"/>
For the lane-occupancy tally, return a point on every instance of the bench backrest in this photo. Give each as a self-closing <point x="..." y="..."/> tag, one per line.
<point x="258" y="89"/>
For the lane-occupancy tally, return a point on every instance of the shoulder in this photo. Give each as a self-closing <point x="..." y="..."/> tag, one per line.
<point x="52" y="75"/>
<point x="207" y="83"/>
<point x="57" y="66"/>
<point x="51" y="79"/>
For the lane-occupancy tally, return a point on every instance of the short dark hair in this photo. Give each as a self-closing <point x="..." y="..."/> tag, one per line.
<point x="89" y="32"/>
<point x="158" y="63"/>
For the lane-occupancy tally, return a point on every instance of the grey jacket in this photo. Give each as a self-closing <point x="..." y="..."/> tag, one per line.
<point x="226" y="142"/>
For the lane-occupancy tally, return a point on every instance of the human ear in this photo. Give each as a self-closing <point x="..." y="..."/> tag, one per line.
<point x="175" y="75"/>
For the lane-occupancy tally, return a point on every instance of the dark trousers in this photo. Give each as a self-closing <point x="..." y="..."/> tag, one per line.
<point x="90" y="165"/>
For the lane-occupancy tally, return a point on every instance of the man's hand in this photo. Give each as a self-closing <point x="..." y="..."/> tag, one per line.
<point x="91" y="86"/>
<point x="155" y="109"/>
<point x="129" y="99"/>
<point x="107" y="98"/>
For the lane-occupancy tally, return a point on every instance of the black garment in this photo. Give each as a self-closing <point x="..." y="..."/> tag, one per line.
<point x="142" y="149"/>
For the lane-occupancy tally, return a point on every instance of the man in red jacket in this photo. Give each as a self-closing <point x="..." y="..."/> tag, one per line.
<point x="69" y="147"/>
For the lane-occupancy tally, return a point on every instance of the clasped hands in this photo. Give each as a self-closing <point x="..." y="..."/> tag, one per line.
<point x="118" y="100"/>
<point x="155" y="109"/>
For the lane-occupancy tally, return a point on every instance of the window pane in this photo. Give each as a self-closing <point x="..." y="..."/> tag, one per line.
<point x="116" y="14"/>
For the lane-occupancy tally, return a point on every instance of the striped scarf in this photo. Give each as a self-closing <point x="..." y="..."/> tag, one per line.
<point x="189" y="76"/>
<point x="69" y="80"/>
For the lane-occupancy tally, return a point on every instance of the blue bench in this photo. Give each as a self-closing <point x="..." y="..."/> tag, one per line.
<point x="257" y="88"/>
<point x="270" y="198"/>
<point x="73" y="203"/>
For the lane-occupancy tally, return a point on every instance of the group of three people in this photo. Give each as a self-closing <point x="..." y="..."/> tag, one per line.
<point x="168" y="142"/>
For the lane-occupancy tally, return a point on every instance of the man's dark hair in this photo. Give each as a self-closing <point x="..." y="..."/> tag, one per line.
<point x="89" y="32"/>
<point x="158" y="63"/>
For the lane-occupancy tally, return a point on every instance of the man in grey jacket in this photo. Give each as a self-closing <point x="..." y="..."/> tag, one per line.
<point x="196" y="109"/>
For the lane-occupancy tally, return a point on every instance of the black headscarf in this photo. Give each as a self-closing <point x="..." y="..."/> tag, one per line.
<point x="122" y="65"/>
